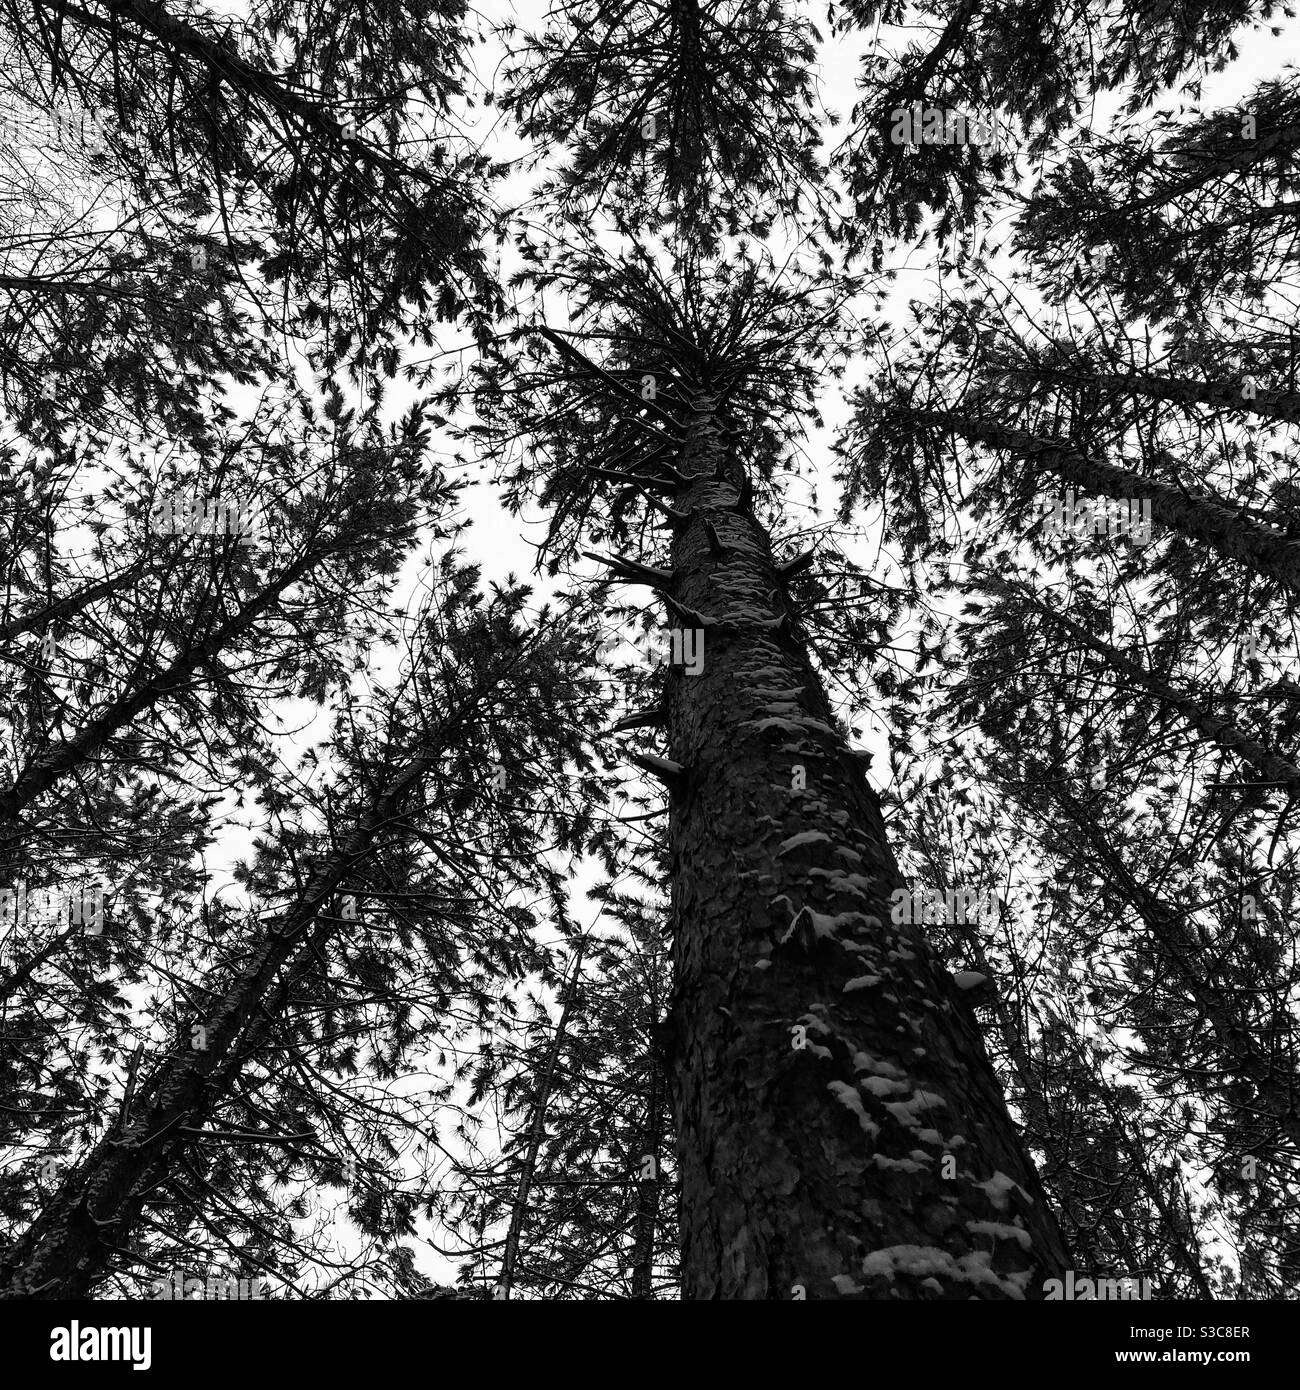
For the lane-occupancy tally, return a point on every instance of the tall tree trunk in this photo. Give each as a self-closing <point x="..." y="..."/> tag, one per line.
<point x="649" y="1188"/>
<point x="1213" y="729"/>
<point x="536" y="1129"/>
<point x="20" y="974"/>
<point x="55" y="762"/>
<point x="840" y="1131"/>
<point x="1194" y="515"/>
<point x="1233" y="160"/>
<point x="1216" y="395"/>
<point x="1216" y="1003"/>
<point x="1045" y="1131"/>
<point x="67" y="1249"/>
<point x="72" y="603"/>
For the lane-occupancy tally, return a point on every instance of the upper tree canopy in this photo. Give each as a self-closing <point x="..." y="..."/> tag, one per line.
<point x="698" y="113"/>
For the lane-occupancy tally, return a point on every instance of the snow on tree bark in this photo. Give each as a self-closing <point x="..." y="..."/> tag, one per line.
<point x="813" y="1119"/>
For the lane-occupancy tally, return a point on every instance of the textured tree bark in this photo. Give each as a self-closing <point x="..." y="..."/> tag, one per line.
<point x="1192" y="514"/>
<point x="840" y="1131"/>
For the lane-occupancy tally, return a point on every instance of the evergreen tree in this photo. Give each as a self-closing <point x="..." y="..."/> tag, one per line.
<point x="1021" y="1000"/>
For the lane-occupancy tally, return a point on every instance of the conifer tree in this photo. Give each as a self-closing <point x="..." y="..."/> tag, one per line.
<point x="835" y="1111"/>
<point x="789" y="1058"/>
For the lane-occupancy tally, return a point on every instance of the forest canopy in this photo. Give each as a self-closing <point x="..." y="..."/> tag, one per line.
<point x="648" y="650"/>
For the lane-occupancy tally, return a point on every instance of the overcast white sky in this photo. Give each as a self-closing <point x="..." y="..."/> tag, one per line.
<point x="502" y="543"/>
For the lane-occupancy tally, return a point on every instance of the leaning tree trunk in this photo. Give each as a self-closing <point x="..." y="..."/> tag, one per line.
<point x="1275" y="143"/>
<point x="71" y="1244"/>
<point x="1243" y="1054"/>
<point x="840" y="1131"/>
<point x="1211" y="728"/>
<point x="62" y="758"/>
<point x="1045" y="1127"/>
<point x="1219" y="396"/>
<point x="1192" y="514"/>
<point x="536" y="1133"/>
<point x="649" y="1186"/>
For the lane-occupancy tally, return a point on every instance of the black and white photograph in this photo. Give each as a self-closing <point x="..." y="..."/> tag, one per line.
<point x="649" y="652"/>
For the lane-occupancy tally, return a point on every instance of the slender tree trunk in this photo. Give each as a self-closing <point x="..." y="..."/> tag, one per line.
<point x="1280" y="141"/>
<point x="536" y="1130"/>
<point x="1216" y="395"/>
<point x="1042" y="1128"/>
<point x="1214" y="1002"/>
<point x="840" y="1131"/>
<point x="1221" y="733"/>
<point x="1192" y="514"/>
<point x="54" y="762"/>
<point x="1179" y="1229"/>
<point x="19" y="976"/>
<point x="73" y="603"/>
<point x="648" y="1189"/>
<point x="68" y="1248"/>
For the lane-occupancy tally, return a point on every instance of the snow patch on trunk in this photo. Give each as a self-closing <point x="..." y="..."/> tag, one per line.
<point x="999" y="1230"/>
<point x="849" y="1098"/>
<point x="805" y="837"/>
<point x="863" y="1061"/>
<point x="929" y="1260"/>
<point x="997" y="1188"/>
